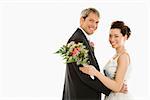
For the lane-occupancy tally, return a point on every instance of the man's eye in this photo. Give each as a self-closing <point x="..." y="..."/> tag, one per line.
<point x="91" y="20"/>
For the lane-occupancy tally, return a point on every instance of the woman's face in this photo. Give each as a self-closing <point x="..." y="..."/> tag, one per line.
<point x="116" y="39"/>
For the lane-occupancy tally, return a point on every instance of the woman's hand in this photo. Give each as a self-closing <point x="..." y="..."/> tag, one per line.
<point x="88" y="69"/>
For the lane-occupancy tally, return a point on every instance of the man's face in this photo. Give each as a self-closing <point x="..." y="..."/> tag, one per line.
<point x="90" y="23"/>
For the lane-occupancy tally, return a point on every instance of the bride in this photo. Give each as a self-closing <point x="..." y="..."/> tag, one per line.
<point x="117" y="69"/>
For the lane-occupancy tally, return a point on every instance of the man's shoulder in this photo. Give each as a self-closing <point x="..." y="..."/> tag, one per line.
<point x="77" y="35"/>
<point x="78" y="31"/>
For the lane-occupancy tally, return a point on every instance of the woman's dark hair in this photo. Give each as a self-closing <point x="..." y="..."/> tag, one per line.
<point x="125" y="30"/>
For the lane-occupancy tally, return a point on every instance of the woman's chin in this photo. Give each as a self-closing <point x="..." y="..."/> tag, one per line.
<point x="113" y="46"/>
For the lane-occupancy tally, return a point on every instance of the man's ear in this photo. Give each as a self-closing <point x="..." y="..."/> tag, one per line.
<point x="81" y="20"/>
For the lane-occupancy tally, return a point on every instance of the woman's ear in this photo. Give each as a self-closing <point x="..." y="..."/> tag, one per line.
<point x="126" y="37"/>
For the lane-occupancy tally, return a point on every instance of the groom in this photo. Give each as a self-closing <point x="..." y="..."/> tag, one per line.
<point x="79" y="86"/>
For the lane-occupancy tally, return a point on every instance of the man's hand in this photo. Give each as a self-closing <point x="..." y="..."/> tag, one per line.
<point x="124" y="88"/>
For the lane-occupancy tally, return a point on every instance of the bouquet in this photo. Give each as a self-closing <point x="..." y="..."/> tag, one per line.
<point x="74" y="52"/>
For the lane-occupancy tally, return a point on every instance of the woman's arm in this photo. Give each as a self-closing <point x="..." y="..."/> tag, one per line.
<point x="116" y="84"/>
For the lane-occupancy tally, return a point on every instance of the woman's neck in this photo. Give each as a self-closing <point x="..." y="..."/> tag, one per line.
<point x="120" y="50"/>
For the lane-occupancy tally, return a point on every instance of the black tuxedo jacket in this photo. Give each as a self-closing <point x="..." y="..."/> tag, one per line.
<point x="79" y="86"/>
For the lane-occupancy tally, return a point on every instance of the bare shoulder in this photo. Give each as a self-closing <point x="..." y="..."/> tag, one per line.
<point x="124" y="57"/>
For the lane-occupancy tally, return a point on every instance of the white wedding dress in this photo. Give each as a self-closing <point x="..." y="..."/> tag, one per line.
<point x="110" y="71"/>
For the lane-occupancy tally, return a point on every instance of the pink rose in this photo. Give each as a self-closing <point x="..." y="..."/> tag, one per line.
<point x="92" y="44"/>
<point x="75" y="51"/>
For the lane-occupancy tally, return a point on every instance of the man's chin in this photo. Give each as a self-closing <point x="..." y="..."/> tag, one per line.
<point x="90" y="33"/>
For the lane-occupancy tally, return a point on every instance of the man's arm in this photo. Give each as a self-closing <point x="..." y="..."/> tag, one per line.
<point x="95" y="84"/>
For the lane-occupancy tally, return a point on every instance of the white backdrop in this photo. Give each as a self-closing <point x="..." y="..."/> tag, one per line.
<point x="31" y="31"/>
